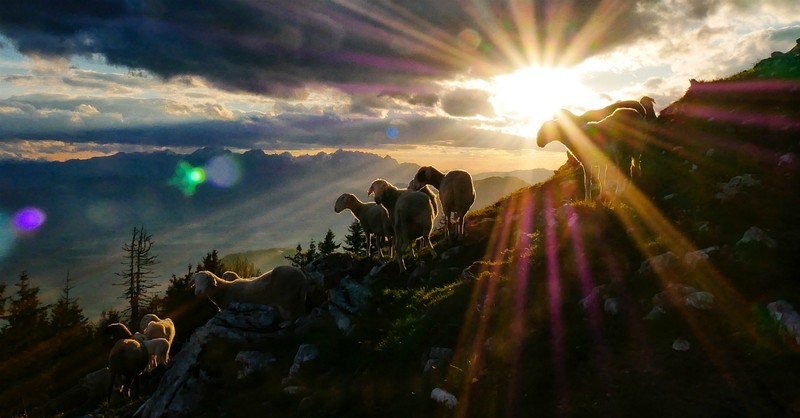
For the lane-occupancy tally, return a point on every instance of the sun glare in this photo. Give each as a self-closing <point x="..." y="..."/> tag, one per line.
<point x="533" y="94"/>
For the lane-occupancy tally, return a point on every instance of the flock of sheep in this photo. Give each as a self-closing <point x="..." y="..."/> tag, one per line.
<point x="136" y="353"/>
<point x="597" y="138"/>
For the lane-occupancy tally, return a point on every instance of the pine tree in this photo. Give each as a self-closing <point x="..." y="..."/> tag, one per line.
<point x="298" y="258"/>
<point x="66" y="315"/>
<point x="211" y="262"/>
<point x="26" y="317"/>
<point x="355" y="241"/>
<point x="328" y="245"/>
<point x="139" y="274"/>
<point x="242" y="266"/>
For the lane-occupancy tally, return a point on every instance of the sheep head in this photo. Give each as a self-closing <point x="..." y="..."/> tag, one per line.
<point x="415" y="184"/>
<point x="378" y="189"/>
<point x="230" y="276"/>
<point x="148" y="319"/>
<point x="549" y="131"/>
<point x="344" y="201"/>
<point x="424" y="175"/>
<point x="204" y="282"/>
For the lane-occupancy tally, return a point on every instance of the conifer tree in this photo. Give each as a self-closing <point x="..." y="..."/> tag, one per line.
<point x="66" y="315"/>
<point x="211" y="262"/>
<point x="26" y="317"/>
<point x="328" y="245"/>
<point x="138" y="274"/>
<point x="355" y="241"/>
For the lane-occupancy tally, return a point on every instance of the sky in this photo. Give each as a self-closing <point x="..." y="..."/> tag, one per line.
<point x="450" y="83"/>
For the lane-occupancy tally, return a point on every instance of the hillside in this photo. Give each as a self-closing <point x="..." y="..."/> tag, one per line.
<point x="676" y="299"/>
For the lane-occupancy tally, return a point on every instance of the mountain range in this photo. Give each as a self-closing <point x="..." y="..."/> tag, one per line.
<point x="237" y="203"/>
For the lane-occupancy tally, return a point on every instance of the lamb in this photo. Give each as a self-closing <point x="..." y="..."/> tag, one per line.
<point x="284" y="287"/>
<point x="456" y="191"/>
<point x="157" y="349"/>
<point x="411" y="213"/>
<point x="127" y="360"/>
<point x="374" y="219"/>
<point x="610" y="140"/>
<point x="154" y="327"/>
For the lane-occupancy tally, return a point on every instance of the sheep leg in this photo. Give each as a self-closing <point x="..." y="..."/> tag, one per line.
<point x="398" y="253"/>
<point x="427" y="240"/>
<point x="587" y="191"/>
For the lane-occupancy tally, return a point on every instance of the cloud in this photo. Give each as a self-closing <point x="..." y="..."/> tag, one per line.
<point x="467" y="102"/>
<point x="277" y="48"/>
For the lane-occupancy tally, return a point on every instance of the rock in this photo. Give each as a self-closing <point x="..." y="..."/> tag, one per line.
<point x="786" y="317"/>
<point x="593" y="298"/>
<point x="252" y="362"/>
<point x="437" y="358"/>
<point x="343" y="321"/>
<point x="305" y="353"/>
<point x="681" y="344"/>
<point x="451" y="253"/>
<point x="658" y="264"/>
<point x="699" y="300"/>
<point x="756" y="235"/>
<point x="611" y="306"/>
<point x="185" y="384"/>
<point x="655" y="313"/>
<point x="444" y="397"/>
<point x="350" y="296"/>
<point x="693" y="258"/>
<point x="735" y="186"/>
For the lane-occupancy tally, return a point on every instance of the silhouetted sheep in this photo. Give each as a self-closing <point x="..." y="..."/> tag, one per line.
<point x="411" y="213"/>
<point x="456" y="192"/>
<point x="374" y="219"/>
<point x="284" y="287"/>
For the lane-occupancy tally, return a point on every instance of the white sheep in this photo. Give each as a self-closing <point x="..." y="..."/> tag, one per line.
<point x="154" y="327"/>
<point x="411" y="213"/>
<point x="374" y="219"/>
<point x="127" y="360"/>
<point x="284" y="287"/>
<point x="157" y="350"/>
<point x="610" y="141"/>
<point x="456" y="192"/>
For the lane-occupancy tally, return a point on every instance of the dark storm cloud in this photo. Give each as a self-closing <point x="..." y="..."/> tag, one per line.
<point x="276" y="47"/>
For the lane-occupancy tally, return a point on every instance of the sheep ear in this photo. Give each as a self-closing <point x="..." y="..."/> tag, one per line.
<point x="371" y="191"/>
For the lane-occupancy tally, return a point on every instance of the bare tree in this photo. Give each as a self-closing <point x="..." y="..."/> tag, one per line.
<point x="138" y="274"/>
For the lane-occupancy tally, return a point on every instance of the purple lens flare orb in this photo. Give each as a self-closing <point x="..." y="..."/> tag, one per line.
<point x="29" y="219"/>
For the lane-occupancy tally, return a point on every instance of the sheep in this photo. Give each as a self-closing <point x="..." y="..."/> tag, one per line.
<point x="456" y="192"/>
<point x="374" y="219"/>
<point x="649" y="110"/>
<point x="157" y="349"/>
<point x="118" y="331"/>
<point x="284" y="287"/>
<point x="411" y="213"/>
<point x="597" y="143"/>
<point x="127" y="360"/>
<point x="154" y="327"/>
<point x="600" y="114"/>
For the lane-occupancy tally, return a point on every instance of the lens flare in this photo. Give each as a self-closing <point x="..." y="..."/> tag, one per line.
<point x="6" y="234"/>
<point x="187" y="178"/>
<point x="392" y="132"/>
<point x="223" y="171"/>
<point x="29" y="219"/>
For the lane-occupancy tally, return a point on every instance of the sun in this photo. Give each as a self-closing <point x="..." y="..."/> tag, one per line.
<point x="532" y="95"/>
